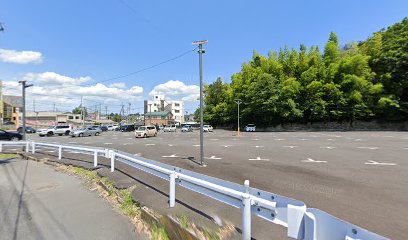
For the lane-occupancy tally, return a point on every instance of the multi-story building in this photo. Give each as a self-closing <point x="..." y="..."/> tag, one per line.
<point x="159" y="104"/>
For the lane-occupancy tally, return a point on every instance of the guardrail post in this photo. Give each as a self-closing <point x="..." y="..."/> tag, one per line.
<point x="27" y="146"/>
<point x="60" y="152"/>
<point x="106" y="153"/>
<point x="95" y="158"/>
<point x="1" y="147"/>
<point x="172" y="194"/>
<point x="33" y="147"/>
<point x="246" y="214"/>
<point x="112" y="161"/>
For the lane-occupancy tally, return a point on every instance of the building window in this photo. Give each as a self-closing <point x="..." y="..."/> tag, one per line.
<point x="154" y="104"/>
<point x="177" y="111"/>
<point x="70" y="117"/>
<point x="177" y="104"/>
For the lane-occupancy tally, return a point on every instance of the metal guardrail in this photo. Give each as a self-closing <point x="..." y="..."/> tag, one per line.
<point x="302" y="223"/>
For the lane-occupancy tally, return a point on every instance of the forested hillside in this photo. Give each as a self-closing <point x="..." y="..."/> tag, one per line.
<point x="365" y="81"/>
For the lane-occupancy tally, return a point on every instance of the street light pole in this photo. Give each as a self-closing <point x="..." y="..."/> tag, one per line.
<point x="200" y="52"/>
<point x="238" y="101"/>
<point x="150" y="114"/>
<point x="23" y="87"/>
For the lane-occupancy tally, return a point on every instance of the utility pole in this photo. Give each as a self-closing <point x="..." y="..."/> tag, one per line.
<point x="34" y="105"/>
<point x="200" y="52"/>
<point x="150" y="114"/>
<point x="238" y="101"/>
<point x="54" y="107"/>
<point x="82" y="113"/>
<point x="129" y="120"/>
<point x="24" y="86"/>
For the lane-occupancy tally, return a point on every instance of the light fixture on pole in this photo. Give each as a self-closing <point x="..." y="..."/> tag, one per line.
<point x="238" y="101"/>
<point x="23" y="87"/>
<point x="200" y="52"/>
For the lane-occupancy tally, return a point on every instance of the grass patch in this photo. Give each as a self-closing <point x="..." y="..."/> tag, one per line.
<point x="184" y="221"/>
<point x="210" y="235"/>
<point x="159" y="233"/>
<point x="7" y="155"/>
<point x="128" y="206"/>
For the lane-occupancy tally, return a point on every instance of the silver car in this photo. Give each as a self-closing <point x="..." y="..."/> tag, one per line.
<point x="89" y="131"/>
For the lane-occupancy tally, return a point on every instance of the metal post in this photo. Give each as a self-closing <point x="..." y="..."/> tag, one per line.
<point x="246" y="214"/>
<point x="112" y="161"/>
<point x="95" y="158"/>
<point x="33" y="147"/>
<point x="23" y="87"/>
<point x="200" y="53"/>
<point x="27" y="146"/>
<point x="238" y="101"/>
<point x="60" y="152"/>
<point x="172" y="194"/>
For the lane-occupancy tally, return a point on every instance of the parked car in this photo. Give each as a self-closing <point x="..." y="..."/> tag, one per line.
<point x="127" y="128"/>
<point x="250" y="128"/>
<point x="170" y="128"/>
<point x="207" y="128"/>
<point x="88" y="131"/>
<point x="63" y="130"/>
<point x="11" y="136"/>
<point x="50" y="131"/>
<point x="104" y="128"/>
<point x="28" y="129"/>
<point x="161" y="127"/>
<point x="146" y="131"/>
<point x="113" y="127"/>
<point x="9" y="123"/>
<point x="187" y="128"/>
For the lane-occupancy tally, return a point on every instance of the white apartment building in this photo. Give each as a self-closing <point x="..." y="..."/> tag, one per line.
<point x="159" y="104"/>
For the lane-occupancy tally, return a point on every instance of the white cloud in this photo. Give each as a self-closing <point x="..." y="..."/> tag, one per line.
<point x="52" y="78"/>
<point x="118" y="85"/>
<point x="177" y="90"/>
<point x="20" y="57"/>
<point x="65" y="91"/>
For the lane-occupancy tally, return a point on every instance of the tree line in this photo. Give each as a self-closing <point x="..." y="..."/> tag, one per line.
<point x="365" y="81"/>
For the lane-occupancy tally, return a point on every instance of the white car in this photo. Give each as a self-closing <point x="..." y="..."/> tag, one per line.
<point x="207" y="128"/>
<point x="112" y="127"/>
<point x="250" y="128"/>
<point x="62" y="130"/>
<point x="50" y="131"/>
<point x="170" y="128"/>
<point x="146" y="131"/>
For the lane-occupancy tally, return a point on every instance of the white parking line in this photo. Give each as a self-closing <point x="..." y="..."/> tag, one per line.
<point x="150" y="144"/>
<point x="357" y="140"/>
<point x="213" y="157"/>
<point x="371" y="162"/>
<point x="213" y="139"/>
<point x="226" y="146"/>
<point x="304" y="139"/>
<point x="259" y="159"/>
<point x="329" y="139"/>
<point x="170" y="145"/>
<point x="72" y="142"/>
<point x="290" y="146"/>
<point x="278" y="139"/>
<point x="196" y="145"/>
<point x="258" y="146"/>
<point x="309" y="160"/>
<point x="371" y="148"/>
<point x="255" y="139"/>
<point x="51" y="151"/>
<point x="108" y="143"/>
<point x="328" y="147"/>
<point x="129" y="138"/>
<point x="171" y="156"/>
<point x="127" y="144"/>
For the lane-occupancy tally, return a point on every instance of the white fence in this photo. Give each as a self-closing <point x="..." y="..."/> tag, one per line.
<point x="301" y="222"/>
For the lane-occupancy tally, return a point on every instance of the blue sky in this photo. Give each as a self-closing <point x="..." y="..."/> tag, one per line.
<point x="84" y="42"/>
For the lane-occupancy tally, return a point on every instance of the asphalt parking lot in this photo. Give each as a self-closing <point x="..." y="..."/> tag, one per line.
<point x="361" y="177"/>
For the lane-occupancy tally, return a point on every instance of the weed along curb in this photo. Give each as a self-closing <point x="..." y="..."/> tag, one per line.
<point x="148" y="221"/>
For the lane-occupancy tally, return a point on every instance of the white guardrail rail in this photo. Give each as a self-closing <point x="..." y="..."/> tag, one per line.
<point x="302" y="223"/>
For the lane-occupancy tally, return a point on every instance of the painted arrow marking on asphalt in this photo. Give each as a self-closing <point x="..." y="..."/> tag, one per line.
<point x="290" y="146"/>
<point x="371" y="148"/>
<point x="171" y="156"/>
<point x="213" y="157"/>
<point x="259" y="159"/>
<point x="150" y="144"/>
<point x="328" y="147"/>
<point x="371" y="162"/>
<point x="313" y="161"/>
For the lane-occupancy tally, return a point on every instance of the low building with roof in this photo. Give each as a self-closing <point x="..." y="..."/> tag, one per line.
<point x="159" y="118"/>
<point x="12" y="106"/>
